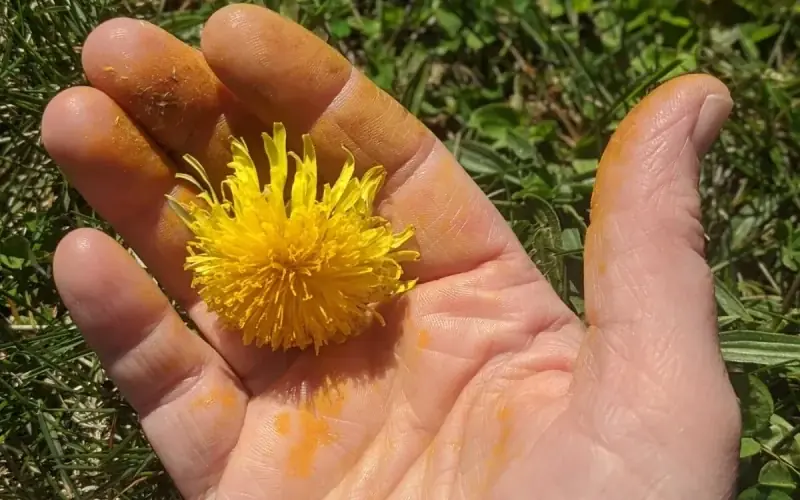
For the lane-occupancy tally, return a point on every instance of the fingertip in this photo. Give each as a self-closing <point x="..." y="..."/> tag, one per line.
<point x="701" y="82"/>
<point x="704" y="96"/>
<point x="713" y="114"/>
<point x="72" y="120"/>
<point x="641" y="156"/>
<point x="673" y="100"/>
<point x="275" y="64"/>
<point x="215" y="37"/>
<point x="112" y="39"/>
<point x="86" y="260"/>
<point x="58" y="113"/>
<point x="233" y="16"/>
<point x="71" y="253"/>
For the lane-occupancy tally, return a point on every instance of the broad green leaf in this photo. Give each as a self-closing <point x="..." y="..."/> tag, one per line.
<point x="782" y="440"/>
<point x="450" y="22"/>
<point x="760" y="348"/>
<point x="583" y="166"/>
<point x="749" y="447"/>
<point x="582" y="6"/>
<point x="775" y="474"/>
<point x="16" y="252"/>
<point x="762" y="493"/>
<point x="340" y="28"/>
<point x="571" y="240"/>
<point x="756" y="403"/>
<point x="495" y="120"/>
<point x="553" y="8"/>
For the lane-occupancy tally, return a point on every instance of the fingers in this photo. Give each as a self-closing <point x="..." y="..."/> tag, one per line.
<point x="167" y="88"/>
<point x="652" y="342"/>
<point x="281" y="71"/>
<point x="125" y="177"/>
<point x="190" y="403"/>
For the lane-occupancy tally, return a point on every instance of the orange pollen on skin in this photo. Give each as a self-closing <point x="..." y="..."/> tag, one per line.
<point x="423" y="339"/>
<point x="283" y="423"/>
<point x="217" y="395"/>
<point x="315" y="430"/>
<point x="315" y="433"/>
<point x="503" y="416"/>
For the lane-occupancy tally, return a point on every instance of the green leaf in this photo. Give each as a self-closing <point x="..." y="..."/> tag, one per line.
<point x="760" y="348"/>
<point x="775" y="474"/>
<point x="582" y="6"/>
<point x="782" y="440"/>
<point x="474" y="41"/>
<point x="762" y="33"/>
<point x="749" y="447"/>
<point x="16" y="252"/>
<point x="756" y="403"/>
<point x="571" y="240"/>
<point x="545" y="241"/>
<point x="553" y="8"/>
<point x="585" y="166"/>
<point x="414" y="95"/>
<point x="677" y="21"/>
<point x="340" y="28"/>
<point x="450" y="22"/>
<point x="761" y="493"/>
<point x="479" y="159"/>
<point x="729" y="302"/>
<point x="494" y="120"/>
<point x="742" y="229"/>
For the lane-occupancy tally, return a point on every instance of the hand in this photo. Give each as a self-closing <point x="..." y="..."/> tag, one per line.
<point x="483" y="384"/>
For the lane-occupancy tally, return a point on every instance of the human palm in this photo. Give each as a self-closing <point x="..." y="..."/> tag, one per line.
<point x="483" y="384"/>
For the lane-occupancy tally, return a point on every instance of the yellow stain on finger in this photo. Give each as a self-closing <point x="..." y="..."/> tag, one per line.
<point x="423" y="339"/>
<point x="499" y="450"/>
<point x="498" y="459"/>
<point x="222" y="401"/>
<point x="283" y="423"/>
<point x="218" y="395"/>
<point x="314" y="428"/>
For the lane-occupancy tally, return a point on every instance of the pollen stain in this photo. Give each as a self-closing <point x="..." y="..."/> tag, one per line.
<point x="283" y="423"/>
<point x="499" y="451"/>
<point x="315" y="429"/>
<point x="499" y="456"/>
<point x="423" y="339"/>
<point x="220" y="396"/>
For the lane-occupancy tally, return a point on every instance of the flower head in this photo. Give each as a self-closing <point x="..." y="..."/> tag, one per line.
<point x="299" y="272"/>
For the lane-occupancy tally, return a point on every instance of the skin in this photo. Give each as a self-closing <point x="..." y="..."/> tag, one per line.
<point x="483" y="384"/>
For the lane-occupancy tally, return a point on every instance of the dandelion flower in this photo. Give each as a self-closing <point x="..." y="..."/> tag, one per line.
<point x="299" y="272"/>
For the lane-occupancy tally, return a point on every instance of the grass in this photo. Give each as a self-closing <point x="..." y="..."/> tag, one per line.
<point x="526" y="93"/>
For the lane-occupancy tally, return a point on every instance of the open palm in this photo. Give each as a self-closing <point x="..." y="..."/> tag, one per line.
<point x="483" y="384"/>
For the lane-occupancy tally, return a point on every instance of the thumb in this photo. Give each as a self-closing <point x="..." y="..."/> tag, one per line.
<point x="651" y="356"/>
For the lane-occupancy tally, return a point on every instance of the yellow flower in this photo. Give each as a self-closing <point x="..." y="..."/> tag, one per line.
<point x="306" y="272"/>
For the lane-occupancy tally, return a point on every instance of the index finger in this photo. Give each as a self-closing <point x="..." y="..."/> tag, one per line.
<point x="282" y="71"/>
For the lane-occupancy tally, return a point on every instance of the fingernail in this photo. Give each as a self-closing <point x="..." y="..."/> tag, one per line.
<point x="713" y="113"/>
